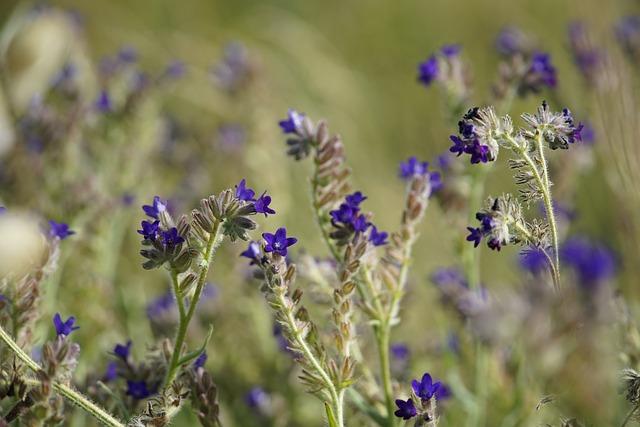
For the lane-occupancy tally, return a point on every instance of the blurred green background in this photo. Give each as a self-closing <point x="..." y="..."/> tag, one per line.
<point x="354" y="64"/>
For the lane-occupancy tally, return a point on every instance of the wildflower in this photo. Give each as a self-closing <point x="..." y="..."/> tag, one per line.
<point x="345" y="214"/>
<point x="150" y="230"/>
<point x="540" y="73"/>
<point x="200" y="361"/>
<point x="293" y="123"/>
<point x="262" y="205"/>
<point x="60" y="230"/>
<point x="588" y="58"/>
<point x="501" y="223"/>
<point x="244" y="193"/>
<point x="406" y="409"/>
<point x="412" y="167"/>
<point x="2" y="210"/>
<point x="354" y="200"/>
<point x="628" y="35"/>
<point x="175" y="69"/>
<point x="446" y="276"/>
<point x="592" y="263"/>
<point x="123" y="351"/>
<point x="400" y="351"/>
<point x="425" y="389"/>
<point x="170" y="238"/>
<point x="511" y="41"/>
<point x="111" y="373"/>
<point x="558" y="128"/>
<point x="476" y="130"/>
<point x="378" y="238"/>
<point x="234" y="69"/>
<point x="428" y="70"/>
<point x="278" y="242"/>
<point x="128" y="55"/>
<point x="138" y="389"/>
<point x="160" y="305"/>
<point x="103" y="103"/>
<point x="256" y="398"/>
<point x="252" y="252"/>
<point x="64" y="328"/>
<point x="534" y="260"/>
<point x="450" y="50"/>
<point x="156" y="208"/>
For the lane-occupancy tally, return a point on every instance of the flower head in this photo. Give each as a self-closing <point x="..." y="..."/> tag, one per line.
<point x="475" y="137"/>
<point x="541" y="73"/>
<point x="262" y="205"/>
<point x="354" y="200"/>
<point x="278" y="242"/>
<point x="406" y="409"/>
<point x="256" y="398"/>
<point x="170" y="238"/>
<point x="243" y="192"/>
<point x="200" y="361"/>
<point x="400" y="351"/>
<point x="592" y="263"/>
<point x="59" y="230"/>
<point x="111" y="373"/>
<point x="150" y="230"/>
<point x="155" y="209"/>
<point x="628" y="35"/>
<point x="293" y="123"/>
<point x="534" y="260"/>
<point x="511" y="41"/>
<point x="123" y="350"/>
<point x="65" y="328"/>
<point x="160" y="305"/>
<point x="103" y="102"/>
<point x="378" y="238"/>
<point x="252" y="252"/>
<point x="425" y="389"/>
<point x="138" y="389"/>
<point x="412" y="167"/>
<point x="428" y="70"/>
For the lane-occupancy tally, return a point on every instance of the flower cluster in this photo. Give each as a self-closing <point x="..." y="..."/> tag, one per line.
<point x="501" y="223"/>
<point x="558" y="129"/>
<point x="141" y="380"/>
<point x="446" y="68"/>
<point x="349" y="222"/>
<point x="589" y="59"/>
<point x="476" y="129"/>
<point x="234" y="70"/>
<point x="432" y="69"/>
<point x="426" y="392"/>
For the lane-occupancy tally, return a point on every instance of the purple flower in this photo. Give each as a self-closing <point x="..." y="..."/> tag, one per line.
<point x="200" y="361"/>
<point x="59" y="230"/>
<point x="170" y="238"/>
<point x="160" y="305"/>
<point x="111" y="373"/>
<point x="64" y="328"/>
<point x="479" y="152"/>
<point x="588" y="133"/>
<point x="628" y="35"/>
<point x="150" y="230"/>
<point x="175" y="69"/>
<point x="428" y="70"/>
<point x="450" y="50"/>
<point x="2" y="210"/>
<point x="262" y="205"/>
<point x="278" y="242"/>
<point x="534" y="261"/>
<point x="256" y="398"/>
<point x="592" y="263"/>
<point x="123" y="351"/>
<point x="360" y="224"/>
<point x="541" y="73"/>
<point x="293" y="123"/>
<point x="252" y="252"/>
<point x="103" y="103"/>
<point x="378" y="238"/>
<point x="127" y="55"/>
<point x="510" y="41"/>
<point x="244" y="193"/>
<point x="449" y="276"/>
<point x="425" y="389"/>
<point x="412" y="167"/>
<point x="345" y="214"/>
<point x="475" y="236"/>
<point x="588" y="58"/>
<point x="138" y="389"/>
<point x="406" y="410"/>
<point x="400" y="351"/>
<point x="458" y="147"/>
<point x="156" y="208"/>
<point x="354" y="200"/>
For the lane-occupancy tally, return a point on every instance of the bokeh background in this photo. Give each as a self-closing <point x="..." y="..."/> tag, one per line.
<point x="352" y="63"/>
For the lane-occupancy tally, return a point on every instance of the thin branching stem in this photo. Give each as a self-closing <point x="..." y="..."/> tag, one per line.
<point x="67" y="392"/>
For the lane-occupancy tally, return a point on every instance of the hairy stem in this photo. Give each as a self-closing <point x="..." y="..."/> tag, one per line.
<point x="185" y="319"/>
<point x="548" y="204"/>
<point x="69" y="393"/>
<point x="382" y="339"/>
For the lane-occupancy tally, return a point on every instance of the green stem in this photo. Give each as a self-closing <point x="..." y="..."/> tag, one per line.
<point x="548" y="204"/>
<point x="69" y="393"/>
<point x="382" y="339"/>
<point x="181" y="333"/>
